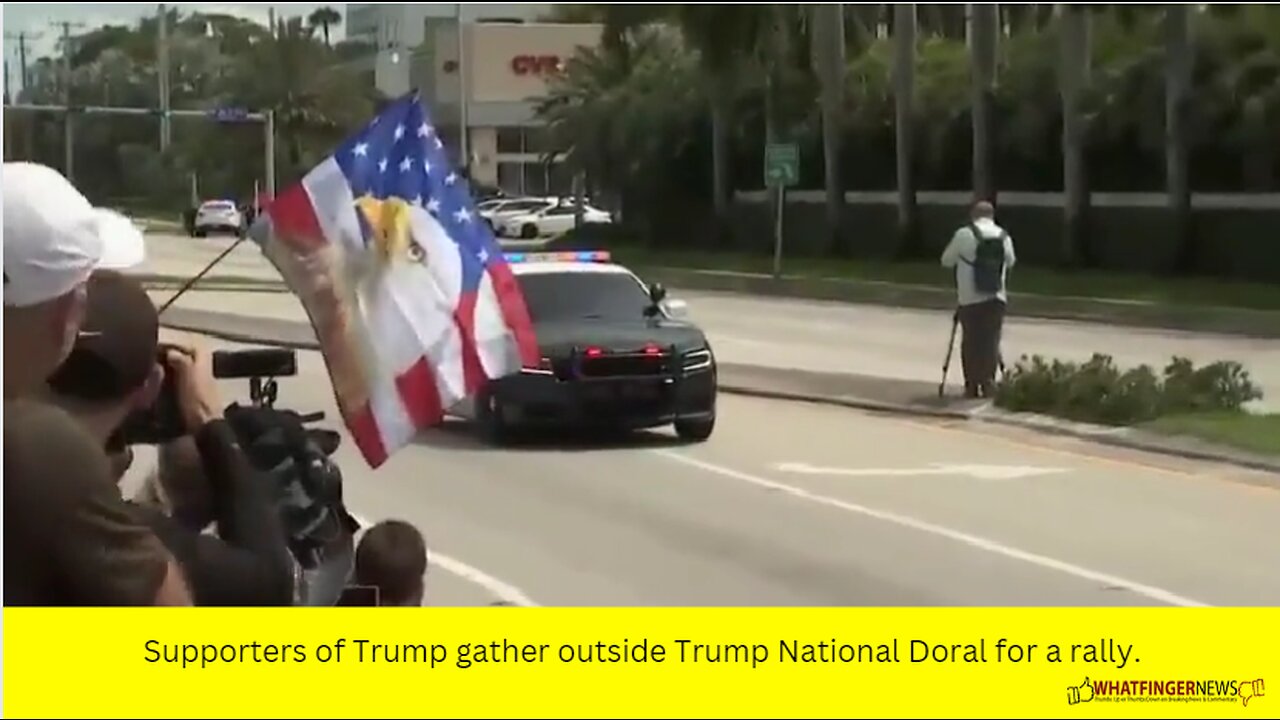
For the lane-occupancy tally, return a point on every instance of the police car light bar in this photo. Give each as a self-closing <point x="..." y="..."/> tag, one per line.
<point x="573" y="256"/>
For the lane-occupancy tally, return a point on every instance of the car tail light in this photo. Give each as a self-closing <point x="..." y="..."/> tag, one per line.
<point x="652" y="349"/>
<point x="544" y="364"/>
<point x="594" y="352"/>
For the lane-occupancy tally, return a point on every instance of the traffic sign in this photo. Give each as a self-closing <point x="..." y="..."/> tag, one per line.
<point x="229" y="114"/>
<point x="781" y="165"/>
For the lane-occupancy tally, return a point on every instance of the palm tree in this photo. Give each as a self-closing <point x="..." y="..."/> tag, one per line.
<point x="904" y="87"/>
<point x="727" y="39"/>
<point x="984" y="31"/>
<point x="829" y="66"/>
<point x="1075" y="60"/>
<point x="1178" y="60"/>
<point x="324" y="18"/>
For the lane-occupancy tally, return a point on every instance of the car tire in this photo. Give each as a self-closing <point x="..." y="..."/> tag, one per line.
<point x="490" y="424"/>
<point x="529" y="231"/>
<point x="696" y="430"/>
<point x="201" y="233"/>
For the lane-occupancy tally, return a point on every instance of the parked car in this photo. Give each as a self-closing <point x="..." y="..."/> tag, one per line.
<point x="496" y="212"/>
<point x="552" y="220"/>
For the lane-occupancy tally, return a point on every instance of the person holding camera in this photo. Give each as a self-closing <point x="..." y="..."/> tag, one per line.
<point x="119" y="379"/>
<point x="69" y="537"/>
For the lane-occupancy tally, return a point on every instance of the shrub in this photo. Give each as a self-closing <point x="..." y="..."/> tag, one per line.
<point x="1098" y="391"/>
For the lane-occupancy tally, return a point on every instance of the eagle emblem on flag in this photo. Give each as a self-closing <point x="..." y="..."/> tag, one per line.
<point x="413" y="303"/>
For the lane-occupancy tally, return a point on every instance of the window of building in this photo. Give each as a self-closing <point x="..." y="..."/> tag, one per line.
<point x="510" y="140"/>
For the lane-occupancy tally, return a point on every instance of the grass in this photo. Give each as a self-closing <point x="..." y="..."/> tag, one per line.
<point x="1257" y="433"/>
<point x="1023" y="279"/>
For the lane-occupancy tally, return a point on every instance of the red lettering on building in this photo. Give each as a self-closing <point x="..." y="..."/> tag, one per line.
<point x="535" y="64"/>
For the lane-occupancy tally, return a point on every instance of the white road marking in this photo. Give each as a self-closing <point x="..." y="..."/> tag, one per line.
<point x="505" y="592"/>
<point x="979" y="472"/>
<point x="1153" y="593"/>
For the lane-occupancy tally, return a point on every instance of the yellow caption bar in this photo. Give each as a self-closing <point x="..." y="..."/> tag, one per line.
<point x="568" y="663"/>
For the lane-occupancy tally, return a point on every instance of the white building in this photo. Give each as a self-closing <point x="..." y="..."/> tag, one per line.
<point x="508" y="60"/>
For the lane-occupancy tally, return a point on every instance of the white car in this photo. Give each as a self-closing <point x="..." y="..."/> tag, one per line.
<point x="496" y="212"/>
<point x="217" y="216"/>
<point x="552" y="220"/>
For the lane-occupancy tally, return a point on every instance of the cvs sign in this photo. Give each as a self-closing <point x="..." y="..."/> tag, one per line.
<point x="535" y="64"/>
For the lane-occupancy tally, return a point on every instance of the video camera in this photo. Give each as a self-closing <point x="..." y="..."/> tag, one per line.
<point x="306" y="481"/>
<point x="162" y="422"/>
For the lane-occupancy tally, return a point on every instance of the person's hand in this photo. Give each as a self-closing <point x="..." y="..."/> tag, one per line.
<point x="198" y="397"/>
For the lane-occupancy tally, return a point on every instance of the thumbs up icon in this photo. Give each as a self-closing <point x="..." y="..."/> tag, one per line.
<point x="1081" y="694"/>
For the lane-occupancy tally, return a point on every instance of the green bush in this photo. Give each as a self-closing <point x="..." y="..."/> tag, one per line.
<point x="1098" y="391"/>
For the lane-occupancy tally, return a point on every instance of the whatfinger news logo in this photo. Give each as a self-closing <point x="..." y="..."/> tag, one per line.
<point x="1242" y="691"/>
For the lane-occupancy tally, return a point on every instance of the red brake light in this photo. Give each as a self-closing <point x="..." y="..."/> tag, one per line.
<point x="652" y="349"/>
<point x="594" y="352"/>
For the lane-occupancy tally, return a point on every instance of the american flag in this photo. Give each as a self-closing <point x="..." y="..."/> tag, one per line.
<point x="414" y="306"/>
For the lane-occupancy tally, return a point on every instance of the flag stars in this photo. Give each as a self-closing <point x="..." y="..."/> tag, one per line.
<point x="425" y="130"/>
<point x="382" y="165"/>
<point x="439" y="143"/>
<point x="463" y="215"/>
<point x="483" y="256"/>
<point x="426" y="166"/>
<point x="399" y="131"/>
<point x="361" y="150"/>
<point x="406" y="164"/>
<point x="433" y="206"/>
<point x="451" y="179"/>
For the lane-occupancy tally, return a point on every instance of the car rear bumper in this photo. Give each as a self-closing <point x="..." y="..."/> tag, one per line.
<point x="626" y="402"/>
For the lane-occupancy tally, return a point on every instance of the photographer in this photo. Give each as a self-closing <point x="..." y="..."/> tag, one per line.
<point x="114" y="373"/>
<point x="69" y="537"/>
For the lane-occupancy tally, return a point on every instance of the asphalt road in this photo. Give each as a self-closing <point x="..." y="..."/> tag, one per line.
<point x="813" y="335"/>
<point x="803" y="505"/>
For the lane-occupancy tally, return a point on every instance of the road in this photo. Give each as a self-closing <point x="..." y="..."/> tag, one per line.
<point x="813" y="335"/>
<point x="800" y="505"/>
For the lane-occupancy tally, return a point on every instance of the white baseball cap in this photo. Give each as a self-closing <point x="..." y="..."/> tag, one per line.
<point x="54" y="238"/>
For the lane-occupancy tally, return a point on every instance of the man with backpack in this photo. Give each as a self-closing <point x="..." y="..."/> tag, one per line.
<point x="981" y="253"/>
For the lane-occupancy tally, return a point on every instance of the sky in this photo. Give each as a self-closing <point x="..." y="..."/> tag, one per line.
<point x="39" y="18"/>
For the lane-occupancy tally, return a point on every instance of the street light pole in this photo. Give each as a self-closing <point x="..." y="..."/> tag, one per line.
<point x="464" y="93"/>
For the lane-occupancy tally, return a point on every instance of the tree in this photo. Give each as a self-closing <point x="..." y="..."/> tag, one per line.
<point x="324" y="18"/>
<point x="984" y="33"/>
<point x="829" y="65"/>
<point x="904" y="85"/>
<point x="1075" y="53"/>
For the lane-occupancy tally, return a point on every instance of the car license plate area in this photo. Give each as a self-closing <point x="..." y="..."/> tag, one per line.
<point x="622" y="393"/>
<point x="624" y="366"/>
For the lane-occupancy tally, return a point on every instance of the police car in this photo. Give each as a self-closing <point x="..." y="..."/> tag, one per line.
<point x="616" y="354"/>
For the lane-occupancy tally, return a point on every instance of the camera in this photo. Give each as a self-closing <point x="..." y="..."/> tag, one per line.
<point x="162" y="421"/>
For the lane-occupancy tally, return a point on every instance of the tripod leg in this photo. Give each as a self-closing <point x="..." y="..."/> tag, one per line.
<point x="951" y="346"/>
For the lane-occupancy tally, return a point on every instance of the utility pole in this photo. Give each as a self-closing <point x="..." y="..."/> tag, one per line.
<point x="162" y="53"/>
<point x="22" y="38"/>
<point x="68" y="120"/>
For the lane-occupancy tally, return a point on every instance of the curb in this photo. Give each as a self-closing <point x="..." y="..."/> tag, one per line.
<point x="298" y="336"/>
<point x="848" y="401"/>
<point x="1190" y="318"/>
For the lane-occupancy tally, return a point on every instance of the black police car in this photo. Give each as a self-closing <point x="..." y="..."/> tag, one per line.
<point x="616" y="354"/>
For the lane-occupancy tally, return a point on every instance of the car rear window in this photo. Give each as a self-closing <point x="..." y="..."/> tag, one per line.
<point x="219" y="205"/>
<point x="567" y="296"/>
